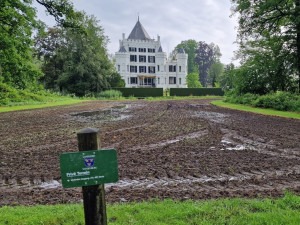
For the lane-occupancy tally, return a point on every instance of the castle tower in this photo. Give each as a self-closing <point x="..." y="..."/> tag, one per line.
<point x="141" y="61"/>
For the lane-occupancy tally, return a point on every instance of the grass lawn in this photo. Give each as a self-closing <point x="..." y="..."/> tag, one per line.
<point x="285" y="210"/>
<point x="270" y="112"/>
<point x="37" y="105"/>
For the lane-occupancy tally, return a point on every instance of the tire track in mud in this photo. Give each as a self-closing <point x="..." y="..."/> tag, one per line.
<point x="205" y="182"/>
<point x="195" y="151"/>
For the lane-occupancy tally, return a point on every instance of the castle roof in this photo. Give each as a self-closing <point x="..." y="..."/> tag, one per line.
<point x="139" y="32"/>
<point x="181" y="50"/>
<point x="160" y="49"/>
<point x="122" y="49"/>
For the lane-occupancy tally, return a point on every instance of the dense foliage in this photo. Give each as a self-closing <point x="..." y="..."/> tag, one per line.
<point x="203" y="59"/>
<point x="284" y="101"/>
<point x="76" y="61"/>
<point x="192" y="80"/>
<point x="269" y="40"/>
<point x="17" y="23"/>
<point x="70" y="57"/>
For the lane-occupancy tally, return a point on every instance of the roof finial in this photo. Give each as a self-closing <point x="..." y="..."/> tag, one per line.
<point x="138" y="17"/>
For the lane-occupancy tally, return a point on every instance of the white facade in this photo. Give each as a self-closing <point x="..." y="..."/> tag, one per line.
<point x="142" y="63"/>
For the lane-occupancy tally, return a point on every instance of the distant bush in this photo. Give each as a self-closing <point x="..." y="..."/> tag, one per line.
<point x="110" y="94"/>
<point x="283" y="101"/>
<point x="246" y="99"/>
<point x="11" y="96"/>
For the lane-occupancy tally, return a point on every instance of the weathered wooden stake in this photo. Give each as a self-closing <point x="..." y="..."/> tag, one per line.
<point x="93" y="196"/>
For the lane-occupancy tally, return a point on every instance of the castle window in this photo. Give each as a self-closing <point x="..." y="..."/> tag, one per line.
<point x="151" y="69"/>
<point x="118" y="67"/>
<point x="132" y="49"/>
<point x="151" y="59"/>
<point x="172" y="80"/>
<point x="133" y="69"/>
<point x="151" y="50"/>
<point x="172" y="68"/>
<point x="142" y="49"/>
<point x="158" y="68"/>
<point x="142" y="69"/>
<point x="133" y="80"/>
<point x="142" y="58"/>
<point x="158" y="80"/>
<point x="179" y="80"/>
<point x="132" y="58"/>
<point x="179" y="68"/>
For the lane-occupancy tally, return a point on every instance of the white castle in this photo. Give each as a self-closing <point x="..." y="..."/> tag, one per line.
<point x="141" y="62"/>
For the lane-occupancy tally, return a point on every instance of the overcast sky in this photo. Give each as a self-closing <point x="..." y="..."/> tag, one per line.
<point x="173" y="20"/>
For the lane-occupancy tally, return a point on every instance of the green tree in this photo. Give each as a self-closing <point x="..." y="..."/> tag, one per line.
<point x="265" y="22"/>
<point x="215" y="72"/>
<point x="216" y="68"/>
<point x="192" y="80"/>
<point x="226" y="79"/>
<point x="76" y="62"/>
<point x="17" y="23"/>
<point x="204" y="59"/>
<point x="189" y="47"/>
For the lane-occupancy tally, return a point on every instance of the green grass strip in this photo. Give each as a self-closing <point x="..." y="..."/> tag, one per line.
<point x="38" y="105"/>
<point x="270" y="112"/>
<point x="279" y="211"/>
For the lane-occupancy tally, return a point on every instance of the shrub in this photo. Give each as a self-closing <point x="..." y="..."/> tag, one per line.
<point x="283" y="101"/>
<point x="110" y="94"/>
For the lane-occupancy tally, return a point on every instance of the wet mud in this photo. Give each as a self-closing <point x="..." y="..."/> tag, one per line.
<point x="185" y="149"/>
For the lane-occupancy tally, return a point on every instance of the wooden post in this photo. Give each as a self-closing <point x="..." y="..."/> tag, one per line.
<point x="93" y="196"/>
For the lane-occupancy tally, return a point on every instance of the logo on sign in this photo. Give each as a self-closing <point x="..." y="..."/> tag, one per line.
<point x="89" y="161"/>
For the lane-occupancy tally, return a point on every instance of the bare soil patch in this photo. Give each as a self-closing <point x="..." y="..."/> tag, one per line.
<point x="184" y="149"/>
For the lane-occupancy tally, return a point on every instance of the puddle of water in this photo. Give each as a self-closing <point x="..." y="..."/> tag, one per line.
<point x="172" y="141"/>
<point x="50" y="185"/>
<point x="237" y="148"/>
<point x="211" y="116"/>
<point x="114" y="113"/>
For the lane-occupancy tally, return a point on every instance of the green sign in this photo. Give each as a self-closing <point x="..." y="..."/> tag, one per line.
<point x="88" y="168"/>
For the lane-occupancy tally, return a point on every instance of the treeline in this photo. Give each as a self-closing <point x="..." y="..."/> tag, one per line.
<point x="269" y="53"/>
<point x="204" y="63"/>
<point x="71" y="57"/>
<point x="269" y="56"/>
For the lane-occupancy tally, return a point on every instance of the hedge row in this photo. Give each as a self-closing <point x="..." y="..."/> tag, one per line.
<point x="141" y="92"/>
<point x="196" y="91"/>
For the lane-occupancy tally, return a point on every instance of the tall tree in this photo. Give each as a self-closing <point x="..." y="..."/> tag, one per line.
<point x="216" y="68"/>
<point x="76" y="62"/>
<point x="17" y="23"/>
<point x="265" y="20"/>
<point x="204" y="59"/>
<point x="190" y="47"/>
<point x="227" y="77"/>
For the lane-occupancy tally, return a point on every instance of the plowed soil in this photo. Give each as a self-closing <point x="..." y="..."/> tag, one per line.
<point x="185" y="149"/>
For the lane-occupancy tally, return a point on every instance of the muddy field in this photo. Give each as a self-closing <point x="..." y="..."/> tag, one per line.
<point x="168" y="149"/>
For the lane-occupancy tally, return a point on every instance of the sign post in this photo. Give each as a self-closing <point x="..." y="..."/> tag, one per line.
<point x="90" y="168"/>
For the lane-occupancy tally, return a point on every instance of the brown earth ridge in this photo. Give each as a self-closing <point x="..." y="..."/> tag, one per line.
<point x="187" y="149"/>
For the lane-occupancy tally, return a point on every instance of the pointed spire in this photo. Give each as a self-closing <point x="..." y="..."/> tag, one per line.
<point x="139" y="32"/>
